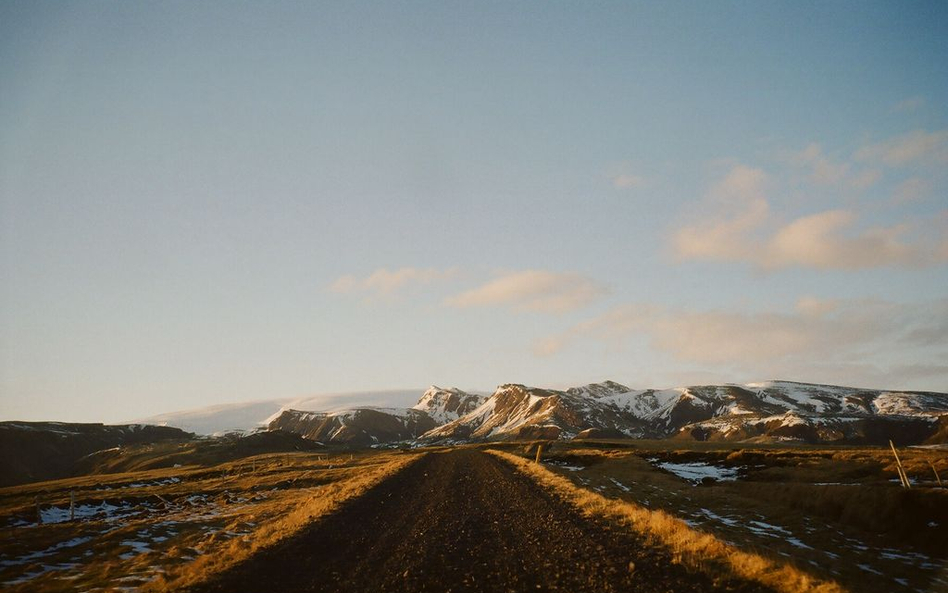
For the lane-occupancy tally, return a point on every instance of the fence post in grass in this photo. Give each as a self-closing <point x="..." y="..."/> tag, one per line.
<point x="898" y="464"/>
<point x="937" y="479"/>
<point x="539" y="452"/>
<point x="72" y="505"/>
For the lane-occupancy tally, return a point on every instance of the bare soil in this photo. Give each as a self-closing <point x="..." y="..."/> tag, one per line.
<point x="463" y="521"/>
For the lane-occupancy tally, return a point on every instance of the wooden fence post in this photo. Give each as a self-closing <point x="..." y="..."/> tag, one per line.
<point x="539" y="452"/>
<point x="898" y="463"/>
<point x="937" y="479"/>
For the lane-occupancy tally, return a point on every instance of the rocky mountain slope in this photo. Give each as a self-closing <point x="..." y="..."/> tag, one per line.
<point x="773" y="410"/>
<point x="445" y="405"/>
<point x="360" y="427"/>
<point x="768" y="411"/>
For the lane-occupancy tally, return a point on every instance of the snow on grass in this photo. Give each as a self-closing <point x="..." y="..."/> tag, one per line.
<point x="104" y="511"/>
<point x="767" y="529"/>
<point x="729" y="521"/>
<point x="697" y="470"/>
<point x="137" y="548"/>
<point x="26" y="558"/>
<point x="566" y="466"/>
<point x="164" y="482"/>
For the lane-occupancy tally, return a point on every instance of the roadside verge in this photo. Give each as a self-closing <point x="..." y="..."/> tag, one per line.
<point x="313" y="504"/>
<point x="689" y="546"/>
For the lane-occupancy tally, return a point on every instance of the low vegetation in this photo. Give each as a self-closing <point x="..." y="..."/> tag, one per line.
<point x="832" y="514"/>
<point x="162" y="529"/>
<point x="689" y="546"/>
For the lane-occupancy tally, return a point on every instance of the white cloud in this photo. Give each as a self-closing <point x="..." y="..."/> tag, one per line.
<point x="743" y="209"/>
<point x="384" y="282"/>
<point x="824" y="171"/>
<point x="532" y="290"/>
<point x="806" y="342"/>
<point x="742" y="184"/>
<point x="817" y="241"/>
<point x="743" y="229"/>
<point x="626" y="181"/>
<point x="917" y="147"/>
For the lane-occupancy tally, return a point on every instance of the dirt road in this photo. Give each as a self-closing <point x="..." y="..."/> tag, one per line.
<point x="461" y="521"/>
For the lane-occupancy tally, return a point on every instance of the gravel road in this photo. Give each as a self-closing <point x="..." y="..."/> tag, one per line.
<point x="462" y="521"/>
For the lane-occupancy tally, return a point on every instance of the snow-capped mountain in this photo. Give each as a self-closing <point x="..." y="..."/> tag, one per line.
<point x="445" y="405"/>
<point x="775" y="409"/>
<point x="361" y="426"/>
<point x="769" y="410"/>
<point x="517" y="411"/>
<point x="248" y="416"/>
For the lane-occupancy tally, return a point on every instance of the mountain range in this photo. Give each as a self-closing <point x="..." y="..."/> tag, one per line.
<point x="767" y="411"/>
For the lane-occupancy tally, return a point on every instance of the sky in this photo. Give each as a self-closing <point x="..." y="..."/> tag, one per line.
<point x="217" y="202"/>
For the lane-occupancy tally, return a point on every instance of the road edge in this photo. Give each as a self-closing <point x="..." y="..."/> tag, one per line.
<point x="688" y="545"/>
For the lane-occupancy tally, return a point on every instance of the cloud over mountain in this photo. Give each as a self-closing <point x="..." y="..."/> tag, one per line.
<point x="532" y="290"/>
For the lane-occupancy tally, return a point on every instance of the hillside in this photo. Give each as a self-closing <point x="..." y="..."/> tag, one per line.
<point x="32" y="451"/>
<point x="772" y="410"/>
<point x="359" y="427"/>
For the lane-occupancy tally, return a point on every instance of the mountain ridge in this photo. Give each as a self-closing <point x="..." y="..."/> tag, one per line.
<point x="768" y="410"/>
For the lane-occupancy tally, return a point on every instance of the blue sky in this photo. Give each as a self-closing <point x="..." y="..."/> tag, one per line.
<point x="222" y="201"/>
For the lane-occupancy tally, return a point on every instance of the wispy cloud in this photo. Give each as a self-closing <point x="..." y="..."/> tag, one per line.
<point x="823" y="170"/>
<point x="917" y="147"/>
<point x="816" y="333"/>
<point x="908" y="105"/>
<point x="384" y="282"/>
<point x="532" y="290"/>
<point x="627" y="181"/>
<point x="741" y="210"/>
<point x="911" y="190"/>
<point x="744" y="229"/>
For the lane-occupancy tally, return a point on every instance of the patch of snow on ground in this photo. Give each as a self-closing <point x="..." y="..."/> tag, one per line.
<point x="84" y="511"/>
<point x="43" y="553"/>
<point x="564" y="465"/>
<point x="137" y="548"/>
<point x="730" y="522"/>
<point x="697" y="470"/>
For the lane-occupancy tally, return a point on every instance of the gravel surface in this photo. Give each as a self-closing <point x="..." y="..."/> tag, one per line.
<point x="463" y="521"/>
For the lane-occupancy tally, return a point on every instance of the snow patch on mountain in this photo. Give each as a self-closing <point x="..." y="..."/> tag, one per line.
<point x="248" y="416"/>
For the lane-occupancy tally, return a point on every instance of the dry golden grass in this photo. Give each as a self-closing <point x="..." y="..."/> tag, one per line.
<point x="691" y="547"/>
<point x="186" y="522"/>
<point x="306" y="510"/>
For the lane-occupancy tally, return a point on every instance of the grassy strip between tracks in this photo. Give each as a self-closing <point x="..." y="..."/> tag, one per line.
<point x="689" y="546"/>
<point x="325" y="500"/>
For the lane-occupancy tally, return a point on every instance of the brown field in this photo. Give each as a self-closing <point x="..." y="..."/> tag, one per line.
<point x="838" y="514"/>
<point x="791" y="518"/>
<point x="169" y="527"/>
